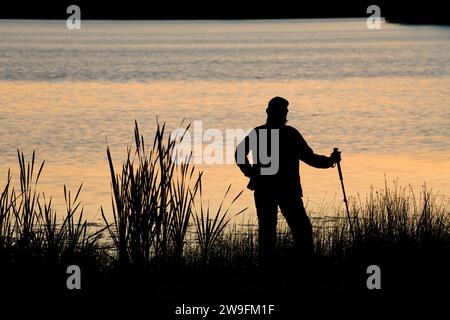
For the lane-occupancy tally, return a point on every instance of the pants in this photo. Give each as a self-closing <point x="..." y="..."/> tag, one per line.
<point x="294" y="212"/>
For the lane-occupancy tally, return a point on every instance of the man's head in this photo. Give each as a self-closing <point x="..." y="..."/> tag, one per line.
<point x="277" y="111"/>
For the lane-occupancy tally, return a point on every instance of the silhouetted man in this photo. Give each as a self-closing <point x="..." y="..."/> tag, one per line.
<point x="274" y="176"/>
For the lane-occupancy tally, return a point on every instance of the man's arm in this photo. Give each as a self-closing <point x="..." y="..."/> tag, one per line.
<point x="308" y="156"/>
<point x="240" y="156"/>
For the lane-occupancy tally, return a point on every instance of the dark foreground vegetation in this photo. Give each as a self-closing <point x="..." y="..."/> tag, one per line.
<point x="164" y="247"/>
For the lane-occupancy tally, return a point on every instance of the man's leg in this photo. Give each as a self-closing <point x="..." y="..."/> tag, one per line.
<point x="293" y="210"/>
<point x="266" y="209"/>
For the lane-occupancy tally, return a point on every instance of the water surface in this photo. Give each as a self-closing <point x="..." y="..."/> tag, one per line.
<point x="382" y="96"/>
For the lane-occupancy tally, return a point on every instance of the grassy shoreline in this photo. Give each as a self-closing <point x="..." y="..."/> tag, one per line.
<point x="160" y="241"/>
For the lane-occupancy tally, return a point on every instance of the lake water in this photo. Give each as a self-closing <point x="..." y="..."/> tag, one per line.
<point x="381" y="96"/>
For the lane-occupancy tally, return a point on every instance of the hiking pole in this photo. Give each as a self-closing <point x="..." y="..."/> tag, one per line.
<point x="345" y="197"/>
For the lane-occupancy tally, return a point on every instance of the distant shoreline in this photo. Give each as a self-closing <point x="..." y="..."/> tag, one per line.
<point x="433" y="12"/>
<point x="388" y="19"/>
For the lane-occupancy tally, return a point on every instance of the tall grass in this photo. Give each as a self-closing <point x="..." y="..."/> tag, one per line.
<point x="154" y="205"/>
<point x="36" y="242"/>
<point x="390" y="225"/>
<point x="209" y="227"/>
